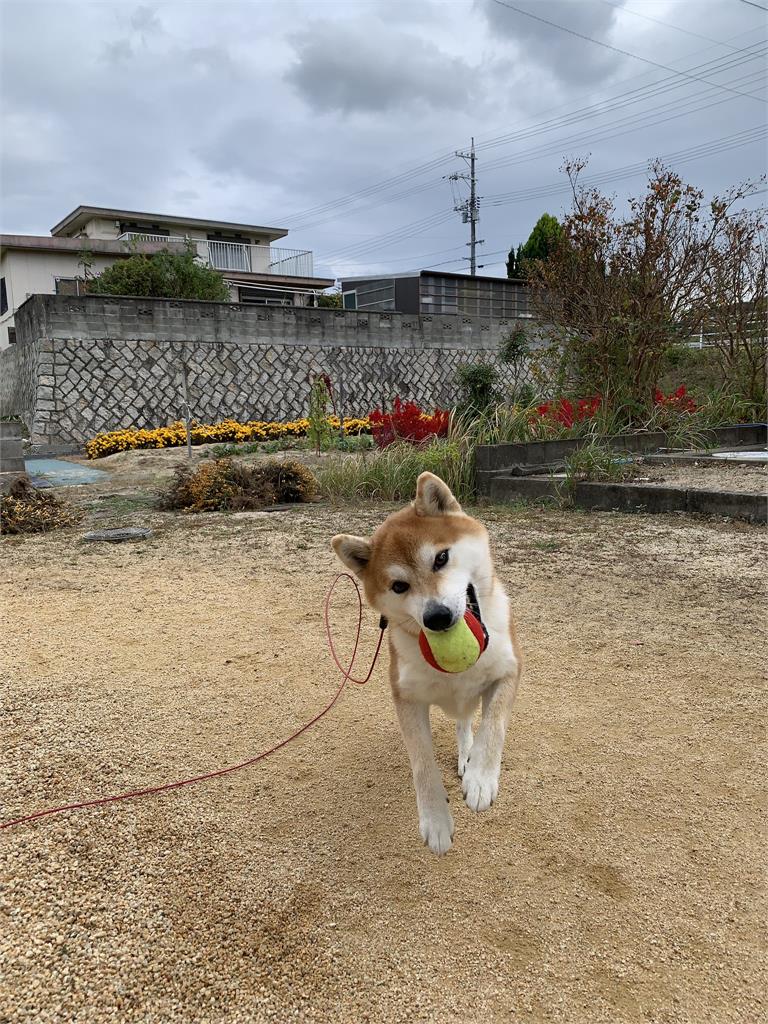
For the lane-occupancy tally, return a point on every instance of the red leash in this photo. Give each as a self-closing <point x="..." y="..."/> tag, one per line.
<point x="345" y="672"/>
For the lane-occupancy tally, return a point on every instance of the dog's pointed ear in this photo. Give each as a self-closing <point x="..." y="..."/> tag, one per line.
<point x="354" y="552"/>
<point x="434" y="497"/>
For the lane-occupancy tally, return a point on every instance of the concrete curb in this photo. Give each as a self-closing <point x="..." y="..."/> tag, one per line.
<point x="631" y="497"/>
<point x="493" y="459"/>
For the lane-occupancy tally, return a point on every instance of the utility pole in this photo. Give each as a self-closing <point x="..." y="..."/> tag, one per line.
<point x="469" y="208"/>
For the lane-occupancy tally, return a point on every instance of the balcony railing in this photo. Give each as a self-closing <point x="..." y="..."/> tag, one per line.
<point x="238" y="256"/>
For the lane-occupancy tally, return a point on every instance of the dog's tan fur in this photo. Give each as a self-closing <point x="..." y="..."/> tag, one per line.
<point x="403" y="548"/>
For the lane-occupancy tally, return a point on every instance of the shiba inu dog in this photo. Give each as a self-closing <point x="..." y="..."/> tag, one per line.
<point x="422" y="569"/>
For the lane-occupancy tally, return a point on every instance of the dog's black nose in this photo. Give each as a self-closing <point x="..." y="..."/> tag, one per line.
<point x="437" y="617"/>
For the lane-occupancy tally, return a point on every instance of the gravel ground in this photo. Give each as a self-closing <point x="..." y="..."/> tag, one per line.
<point x="618" y="878"/>
<point x="710" y="476"/>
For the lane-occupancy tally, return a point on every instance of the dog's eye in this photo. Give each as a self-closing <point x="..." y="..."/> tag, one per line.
<point x="400" y="586"/>
<point x="440" y="560"/>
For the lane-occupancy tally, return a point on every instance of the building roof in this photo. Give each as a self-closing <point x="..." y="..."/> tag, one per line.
<point x="430" y="273"/>
<point x="82" y="214"/>
<point x="107" y="246"/>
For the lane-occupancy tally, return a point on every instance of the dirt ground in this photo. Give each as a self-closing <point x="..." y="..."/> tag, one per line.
<point x="618" y="878"/>
<point x="710" y="476"/>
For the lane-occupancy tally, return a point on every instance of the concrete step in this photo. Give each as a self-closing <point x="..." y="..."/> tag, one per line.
<point x="631" y="497"/>
<point x="11" y="455"/>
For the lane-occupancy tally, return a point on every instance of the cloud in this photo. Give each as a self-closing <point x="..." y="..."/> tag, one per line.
<point x="231" y="110"/>
<point x="354" y="69"/>
<point x="571" y="60"/>
<point x="145" y="21"/>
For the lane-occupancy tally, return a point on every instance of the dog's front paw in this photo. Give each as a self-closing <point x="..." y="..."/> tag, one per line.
<point x="436" y="828"/>
<point x="480" y="788"/>
<point x="463" y="761"/>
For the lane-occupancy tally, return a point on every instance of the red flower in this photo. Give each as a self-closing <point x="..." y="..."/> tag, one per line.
<point x="678" y="400"/>
<point x="565" y="414"/>
<point x="407" y="422"/>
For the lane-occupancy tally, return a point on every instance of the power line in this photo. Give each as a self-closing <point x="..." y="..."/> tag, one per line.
<point x="616" y="49"/>
<point x="390" y="237"/>
<point x="624" y="126"/>
<point x="615" y="129"/>
<point x="669" y="84"/>
<point x="752" y="4"/>
<point x="423" y="168"/>
<point x="483" y="255"/>
<point x="665" y="24"/>
<point x="712" y="148"/>
<point x="717" y="66"/>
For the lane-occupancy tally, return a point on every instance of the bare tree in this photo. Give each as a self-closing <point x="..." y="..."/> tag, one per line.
<point x="618" y="292"/>
<point x="735" y="287"/>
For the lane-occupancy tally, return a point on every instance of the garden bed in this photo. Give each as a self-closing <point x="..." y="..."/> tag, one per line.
<point x="491" y="460"/>
<point x="707" y="475"/>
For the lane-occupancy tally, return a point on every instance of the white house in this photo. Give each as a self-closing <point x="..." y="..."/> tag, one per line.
<point x="255" y="270"/>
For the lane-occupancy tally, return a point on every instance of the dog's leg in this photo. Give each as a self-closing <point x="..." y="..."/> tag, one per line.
<point x="480" y="783"/>
<point x="435" y="819"/>
<point x="463" y="742"/>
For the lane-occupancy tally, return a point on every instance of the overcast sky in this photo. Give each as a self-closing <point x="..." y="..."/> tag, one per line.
<point x="339" y="120"/>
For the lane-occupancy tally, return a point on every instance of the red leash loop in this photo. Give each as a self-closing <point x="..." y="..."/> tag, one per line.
<point x="252" y="760"/>
<point x="345" y="671"/>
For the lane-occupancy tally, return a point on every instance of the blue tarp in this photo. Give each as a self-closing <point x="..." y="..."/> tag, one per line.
<point x="57" y="473"/>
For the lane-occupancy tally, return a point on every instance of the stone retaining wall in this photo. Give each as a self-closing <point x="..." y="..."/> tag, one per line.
<point x="91" y="363"/>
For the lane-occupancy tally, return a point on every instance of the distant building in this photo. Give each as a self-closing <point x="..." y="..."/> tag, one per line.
<point x="432" y="291"/>
<point x="254" y="269"/>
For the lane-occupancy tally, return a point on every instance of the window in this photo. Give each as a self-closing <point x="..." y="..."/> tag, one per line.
<point x="3" y="297"/>
<point x="11" y="335"/>
<point x="265" y="297"/>
<point x="68" y="286"/>
<point x="135" y="228"/>
<point x="350" y="300"/>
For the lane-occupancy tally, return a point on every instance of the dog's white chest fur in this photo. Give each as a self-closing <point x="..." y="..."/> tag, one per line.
<point x="458" y="694"/>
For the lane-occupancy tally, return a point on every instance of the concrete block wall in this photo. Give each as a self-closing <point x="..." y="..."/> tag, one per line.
<point x="91" y="363"/>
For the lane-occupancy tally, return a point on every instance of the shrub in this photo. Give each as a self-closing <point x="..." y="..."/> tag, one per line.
<point x="162" y="275"/>
<point x="224" y="485"/>
<point x="226" y="431"/>
<point x="390" y="474"/>
<point x="478" y="386"/>
<point x="620" y="289"/>
<point x="25" y="509"/>
<point x="407" y="422"/>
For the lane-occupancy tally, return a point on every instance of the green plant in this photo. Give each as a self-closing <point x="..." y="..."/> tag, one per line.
<point x="352" y="443"/>
<point x="329" y="300"/>
<point x="597" y="461"/>
<point x="25" y="509"/>
<point x="224" y="485"/>
<point x="390" y="474"/>
<point x="542" y="242"/>
<point x="514" y="348"/>
<point x="163" y="275"/>
<point x="594" y="461"/>
<point x="226" y="451"/>
<point x="478" y="386"/>
<point x="319" y="430"/>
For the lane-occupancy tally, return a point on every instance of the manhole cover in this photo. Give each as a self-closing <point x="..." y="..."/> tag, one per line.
<point x="116" y="536"/>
